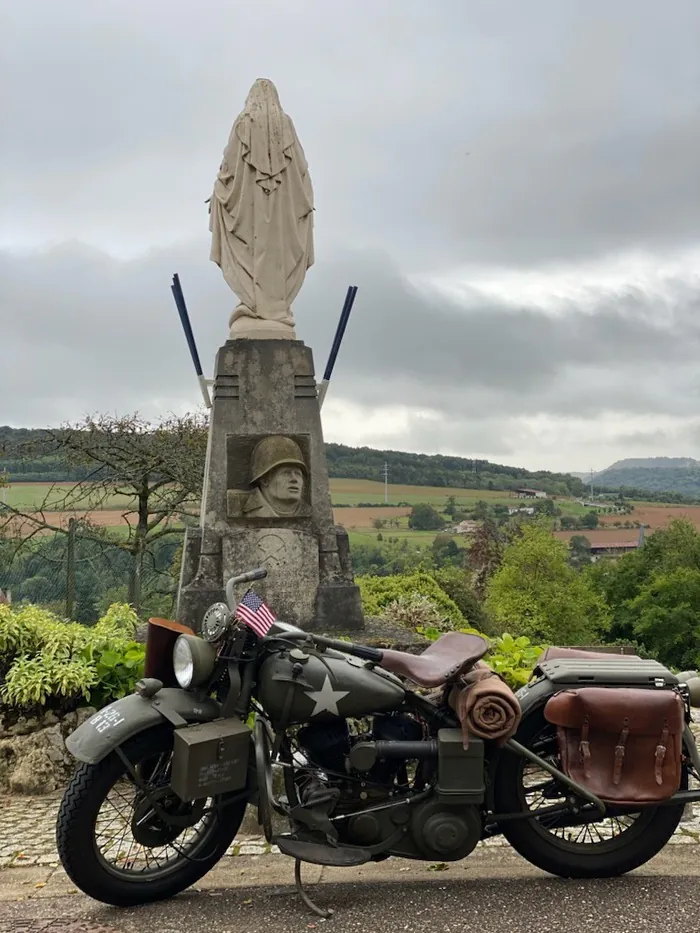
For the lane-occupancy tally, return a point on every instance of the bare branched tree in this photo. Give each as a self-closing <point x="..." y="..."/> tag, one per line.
<point x="152" y="473"/>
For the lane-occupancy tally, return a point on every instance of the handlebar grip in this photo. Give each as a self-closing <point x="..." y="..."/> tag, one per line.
<point x="359" y="651"/>
<point x="250" y="576"/>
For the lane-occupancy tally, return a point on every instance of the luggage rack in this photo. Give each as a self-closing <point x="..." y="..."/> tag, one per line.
<point x="622" y="671"/>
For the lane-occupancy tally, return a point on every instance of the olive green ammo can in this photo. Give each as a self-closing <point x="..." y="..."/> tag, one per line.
<point x="210" y="758"/>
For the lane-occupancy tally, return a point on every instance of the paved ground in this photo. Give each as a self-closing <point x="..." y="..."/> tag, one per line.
<point x="491" y="892"/>
<point x="28" y="825"/>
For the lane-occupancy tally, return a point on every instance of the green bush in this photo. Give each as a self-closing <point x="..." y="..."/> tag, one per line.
<point x="48" y="663"/>
<point x="416" y="611"/>
<point x="379" y="592"/>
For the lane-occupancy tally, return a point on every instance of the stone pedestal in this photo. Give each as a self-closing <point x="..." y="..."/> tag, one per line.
<point x="265" y="391"/>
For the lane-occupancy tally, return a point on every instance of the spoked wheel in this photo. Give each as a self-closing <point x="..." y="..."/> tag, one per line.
<point x="118" y="849"/>
<point x="572" y="846"/>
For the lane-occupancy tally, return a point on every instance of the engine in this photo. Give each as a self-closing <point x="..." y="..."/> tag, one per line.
<point x="327" y="745"/>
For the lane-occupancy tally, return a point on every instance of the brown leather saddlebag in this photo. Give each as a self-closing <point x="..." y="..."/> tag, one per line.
<point x="622" y="744"/>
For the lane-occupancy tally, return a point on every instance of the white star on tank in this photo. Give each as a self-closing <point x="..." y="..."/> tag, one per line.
<point x="326" y="699"/>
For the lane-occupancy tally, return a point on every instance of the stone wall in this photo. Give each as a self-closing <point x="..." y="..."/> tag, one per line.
<point x="33" y="756"/>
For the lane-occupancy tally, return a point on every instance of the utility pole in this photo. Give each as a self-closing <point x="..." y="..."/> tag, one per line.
<point x="591" y="484"/>
<point x="70" y="568"/>
<point x="385" y="473"/>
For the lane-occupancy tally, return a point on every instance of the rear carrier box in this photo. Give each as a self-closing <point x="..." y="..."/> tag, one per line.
<point x="210" y="758"/>
<point x="617" y="671"/>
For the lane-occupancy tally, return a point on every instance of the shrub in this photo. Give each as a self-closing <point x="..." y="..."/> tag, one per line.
<point x="46" y="662"/>
<point x="379" y="592"/>
<point x="415" y="611"/>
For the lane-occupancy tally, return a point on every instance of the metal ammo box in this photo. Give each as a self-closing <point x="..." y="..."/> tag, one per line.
<point x="210" y="758"/>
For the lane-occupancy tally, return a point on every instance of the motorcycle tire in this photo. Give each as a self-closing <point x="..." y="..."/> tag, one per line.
<point x="609" y="858"/>
<point x="77" y="826"/>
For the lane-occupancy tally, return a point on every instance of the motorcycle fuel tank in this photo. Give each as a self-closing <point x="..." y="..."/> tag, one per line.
<point x="323" y="686"/>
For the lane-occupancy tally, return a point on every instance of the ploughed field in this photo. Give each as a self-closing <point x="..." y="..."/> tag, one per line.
<point x="347" y="496"/>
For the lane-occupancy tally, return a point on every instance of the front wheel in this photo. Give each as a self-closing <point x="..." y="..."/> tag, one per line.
<point x="587" y="848"/>
<point x="113" y="845"/>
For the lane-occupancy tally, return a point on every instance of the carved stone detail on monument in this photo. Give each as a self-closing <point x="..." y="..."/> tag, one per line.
<point x="277" y="479"/>
<point x="290" y="555"/>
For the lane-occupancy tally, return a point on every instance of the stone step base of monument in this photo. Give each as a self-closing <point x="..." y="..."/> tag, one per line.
<point x="378" y="633"/>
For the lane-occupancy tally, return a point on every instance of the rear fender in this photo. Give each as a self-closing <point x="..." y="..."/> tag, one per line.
<point x="113" y="725"/>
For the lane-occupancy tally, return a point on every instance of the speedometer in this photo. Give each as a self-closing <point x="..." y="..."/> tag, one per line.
<point x="215" y="622"/>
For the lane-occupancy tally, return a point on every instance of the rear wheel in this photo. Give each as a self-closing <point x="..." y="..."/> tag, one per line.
<point x="113" y="845"/>
<point x="604" y="848"/>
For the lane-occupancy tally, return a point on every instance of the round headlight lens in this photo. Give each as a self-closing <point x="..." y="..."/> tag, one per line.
<point x="193" y="660"/>
<point x="183" y="661"/>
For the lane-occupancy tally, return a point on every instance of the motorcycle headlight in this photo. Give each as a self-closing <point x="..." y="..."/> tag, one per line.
<point x="193" y="660"/>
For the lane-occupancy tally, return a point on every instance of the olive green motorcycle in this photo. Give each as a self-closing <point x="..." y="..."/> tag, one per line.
<point x="351" y="754"/>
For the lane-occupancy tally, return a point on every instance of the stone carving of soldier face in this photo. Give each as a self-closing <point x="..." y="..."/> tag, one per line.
<point x="283" y="488"/>
<point x="279" y="475"/>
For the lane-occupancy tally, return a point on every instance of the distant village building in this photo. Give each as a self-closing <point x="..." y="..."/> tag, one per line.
<point x="467" y="527"/>
<point x="526" y="509"/>
<point x="529" y="494"/>
<point x="612" y="549"/>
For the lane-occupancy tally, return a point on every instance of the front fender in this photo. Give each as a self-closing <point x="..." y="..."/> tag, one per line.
<point x="119" y="721"/>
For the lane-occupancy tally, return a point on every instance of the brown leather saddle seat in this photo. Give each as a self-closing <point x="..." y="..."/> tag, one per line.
<point x="448" y="657"/>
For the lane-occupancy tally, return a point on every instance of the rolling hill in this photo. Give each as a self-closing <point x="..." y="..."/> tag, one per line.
<point x="653" y="474"/>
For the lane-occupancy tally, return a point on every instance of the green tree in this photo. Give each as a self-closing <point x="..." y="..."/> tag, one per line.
<point x="537" y="593"/>
<point x="590" y="520"/>
<point x="456" y="583"/>
<point x="451" y="506"/>
<point x="666" y="616"/>
<point x="481" y="511"/>
<point x="622" y="582"/>
<point x="424" y="517"/>
<point x="579" y="551"/>
<point x="153" y="472"/>
<point x="485" y="555"/>
<point x="445" y="550"/>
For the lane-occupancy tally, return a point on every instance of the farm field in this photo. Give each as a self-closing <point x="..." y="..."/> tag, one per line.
<point x="656" y="516"/>
<point x="352" y="491"/>
<point x="346" y="493"/>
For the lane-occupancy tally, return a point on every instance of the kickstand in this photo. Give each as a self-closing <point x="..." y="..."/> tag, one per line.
<point x="319" y="911"/>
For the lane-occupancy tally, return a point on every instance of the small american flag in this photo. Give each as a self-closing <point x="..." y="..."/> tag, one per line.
<point x="255" y="613"/>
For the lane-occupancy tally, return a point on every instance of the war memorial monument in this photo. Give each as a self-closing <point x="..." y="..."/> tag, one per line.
<point x="266" y="499"/>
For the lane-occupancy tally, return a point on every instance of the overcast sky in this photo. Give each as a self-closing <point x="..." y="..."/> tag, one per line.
<point x="514" y="187"/>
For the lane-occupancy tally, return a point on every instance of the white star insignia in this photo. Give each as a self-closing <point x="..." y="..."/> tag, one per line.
<point x="326" y="699"/>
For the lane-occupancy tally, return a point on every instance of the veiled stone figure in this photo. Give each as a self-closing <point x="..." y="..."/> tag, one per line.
<point x="261" y="217"/>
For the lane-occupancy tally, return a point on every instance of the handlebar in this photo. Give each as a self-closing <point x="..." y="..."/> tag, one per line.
<point x="359" y="651"/>
<point x="247" y="577"/>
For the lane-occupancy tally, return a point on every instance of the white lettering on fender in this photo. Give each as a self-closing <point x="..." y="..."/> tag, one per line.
<point x="106" y="719"/>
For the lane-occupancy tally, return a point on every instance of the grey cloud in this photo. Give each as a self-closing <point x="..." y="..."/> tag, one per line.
<point x="581" y="121"/>
<point x="84" y="331"/>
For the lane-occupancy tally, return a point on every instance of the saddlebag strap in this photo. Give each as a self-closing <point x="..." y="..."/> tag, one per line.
<point x="661" y="750"/>
<point x="620" y="752"/>
<point x="584" y="746"/>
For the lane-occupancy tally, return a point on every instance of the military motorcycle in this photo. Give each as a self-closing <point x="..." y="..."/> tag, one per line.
<point x="363" y="753"/>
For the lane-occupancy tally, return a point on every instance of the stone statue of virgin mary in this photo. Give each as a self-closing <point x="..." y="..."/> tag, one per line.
<point x="261" y="217"/>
